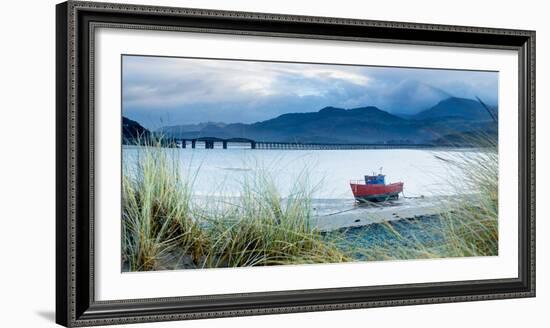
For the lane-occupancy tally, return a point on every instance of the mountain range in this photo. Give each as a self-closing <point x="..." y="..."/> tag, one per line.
<point x="448" y="119"/>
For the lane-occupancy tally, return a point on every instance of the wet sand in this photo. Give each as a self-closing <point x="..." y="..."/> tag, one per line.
<point x="337" y="214"/>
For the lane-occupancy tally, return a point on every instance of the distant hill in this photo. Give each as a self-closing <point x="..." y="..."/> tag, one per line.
<point x="193" y="127"/>
<point x="133" y="132"/>
<point x="460" y="108"/>
<point x="469" y="139"/>
<point x="357" y="125"/>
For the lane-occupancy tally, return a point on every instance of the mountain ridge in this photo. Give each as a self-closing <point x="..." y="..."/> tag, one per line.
<point x="455" y="107"/>
<point x="367" y="124"/>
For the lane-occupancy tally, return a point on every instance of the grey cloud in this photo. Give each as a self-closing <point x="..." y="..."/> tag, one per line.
<point x="157" y="89"/>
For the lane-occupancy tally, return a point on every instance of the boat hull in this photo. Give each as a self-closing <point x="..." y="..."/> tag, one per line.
<point x="376" y="192"/>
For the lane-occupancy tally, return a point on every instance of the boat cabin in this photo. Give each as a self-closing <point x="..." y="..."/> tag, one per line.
<point x="379" y="179"/>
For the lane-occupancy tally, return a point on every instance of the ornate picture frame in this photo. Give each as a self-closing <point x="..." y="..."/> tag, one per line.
<point x="77" y="25"/>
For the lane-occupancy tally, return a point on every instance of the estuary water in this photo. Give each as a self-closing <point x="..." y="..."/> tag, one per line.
<point x="222" y="172"/>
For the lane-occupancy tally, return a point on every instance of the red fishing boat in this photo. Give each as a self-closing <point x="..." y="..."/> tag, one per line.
<point x="375" y="189"/>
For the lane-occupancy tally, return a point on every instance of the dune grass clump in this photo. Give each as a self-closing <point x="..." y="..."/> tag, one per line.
<point x="265" y="229"/>
<point x="472" y="223"/>
<point x="156" y="212"/>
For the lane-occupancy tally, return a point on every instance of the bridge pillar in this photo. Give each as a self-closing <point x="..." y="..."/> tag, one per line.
<point x="253" y="144"/>
<point x="224" y="144"/>
<point x="183" y="143"/>
<point x="208" y="144"/>
<point x="193" y="143"/>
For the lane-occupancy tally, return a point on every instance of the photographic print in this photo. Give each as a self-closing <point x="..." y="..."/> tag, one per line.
<point x="243" y="163"/>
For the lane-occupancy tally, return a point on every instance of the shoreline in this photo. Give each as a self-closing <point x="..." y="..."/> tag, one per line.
<point x="357" y="215"/>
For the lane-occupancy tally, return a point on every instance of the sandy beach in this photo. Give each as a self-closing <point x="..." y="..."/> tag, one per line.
<point x="332" y="215"/>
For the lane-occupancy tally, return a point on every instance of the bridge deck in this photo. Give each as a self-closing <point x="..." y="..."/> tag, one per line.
<point x="210" y="142"/>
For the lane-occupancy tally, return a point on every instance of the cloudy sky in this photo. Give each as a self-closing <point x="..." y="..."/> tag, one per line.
<point x="159" y="91"/>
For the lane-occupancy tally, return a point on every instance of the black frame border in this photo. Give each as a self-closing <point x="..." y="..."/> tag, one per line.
<point x="75" y="26"/>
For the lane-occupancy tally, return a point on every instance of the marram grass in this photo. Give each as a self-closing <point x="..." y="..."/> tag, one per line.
<point x="163" y="228"/>
<point x="264" y="229"/>
<point x="156" y="212"/>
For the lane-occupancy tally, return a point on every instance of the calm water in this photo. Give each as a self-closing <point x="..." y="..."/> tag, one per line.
<point x="220" y="172"/>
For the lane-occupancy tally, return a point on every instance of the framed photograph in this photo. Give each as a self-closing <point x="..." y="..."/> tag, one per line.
<point x="214" y="163"/>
